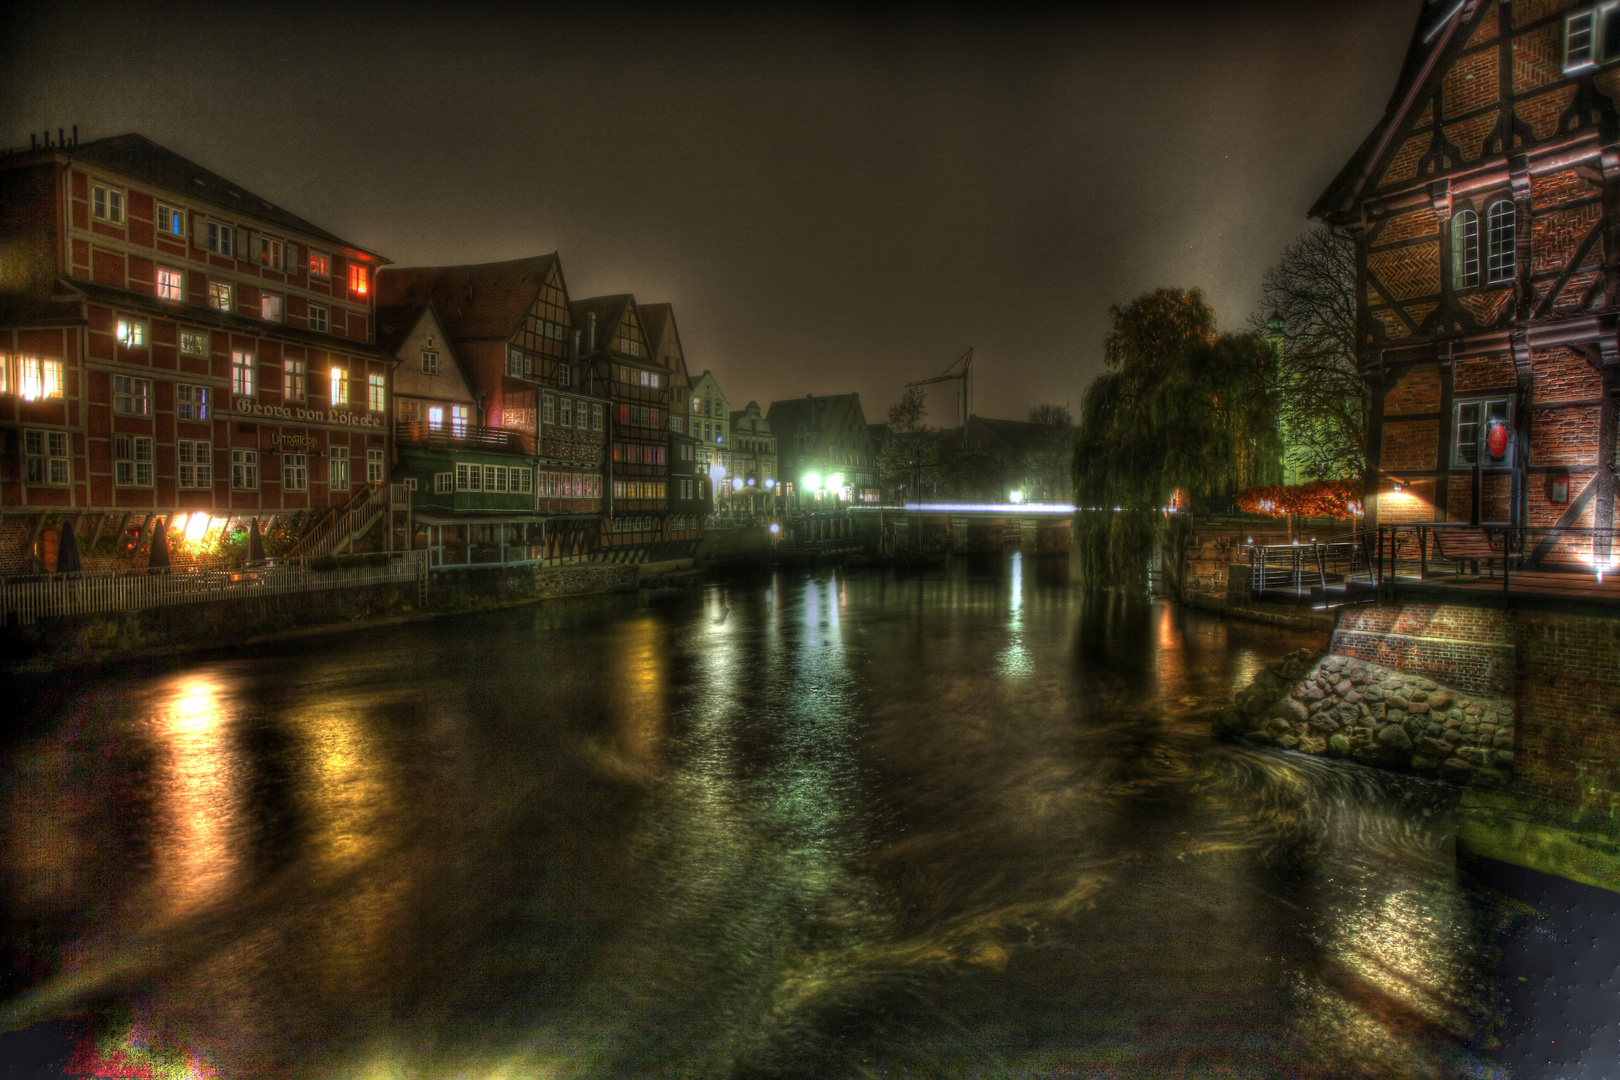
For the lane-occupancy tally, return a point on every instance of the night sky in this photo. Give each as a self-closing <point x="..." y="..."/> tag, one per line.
<point x="833" y="201"/>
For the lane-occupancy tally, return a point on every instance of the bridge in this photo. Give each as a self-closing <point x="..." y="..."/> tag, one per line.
<point x="939" y="528"/>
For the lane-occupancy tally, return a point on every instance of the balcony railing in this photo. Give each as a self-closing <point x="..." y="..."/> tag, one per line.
<point x="462" y="437"/>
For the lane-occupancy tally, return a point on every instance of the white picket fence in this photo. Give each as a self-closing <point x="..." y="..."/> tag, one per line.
<point x="60" y="594"/>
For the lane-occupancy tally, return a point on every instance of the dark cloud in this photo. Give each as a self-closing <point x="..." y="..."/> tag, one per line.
<point x="832" y="200"/>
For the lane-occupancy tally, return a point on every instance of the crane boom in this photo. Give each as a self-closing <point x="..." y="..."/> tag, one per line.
<point x="966" y="360"/>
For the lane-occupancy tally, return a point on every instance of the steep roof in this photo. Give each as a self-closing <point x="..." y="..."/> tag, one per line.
<point x="987" y="433"/>
<point x="827" y="416"/>
<point x="139" y="158"/>
<point x="654" y="319"/>
<point x="1436" y="28"/>
<point x="479" y="301"/>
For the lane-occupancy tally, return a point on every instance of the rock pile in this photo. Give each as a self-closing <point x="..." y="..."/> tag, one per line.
<point x="1350" y="708"/>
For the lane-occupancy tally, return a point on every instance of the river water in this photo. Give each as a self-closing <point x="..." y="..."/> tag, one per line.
<point x="958" y="824"/>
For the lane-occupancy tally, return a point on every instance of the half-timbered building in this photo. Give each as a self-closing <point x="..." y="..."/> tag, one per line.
<point x="1483" y="208"/>
<point x="689" y="493"/>
<point x="172" y="343"/>
<point x="825" y="447"/>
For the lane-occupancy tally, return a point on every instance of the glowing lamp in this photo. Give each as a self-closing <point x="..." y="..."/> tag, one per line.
<point x="812" y="481"/>
<point x="736" y="483"/>
<point x="1017" y="496"/>
<point x="835" y="482"/>
<point x="775" y="528"/>
<point x="750" y="481"/>
<point x="769" y="483"/>
<point x="717" y="472"/>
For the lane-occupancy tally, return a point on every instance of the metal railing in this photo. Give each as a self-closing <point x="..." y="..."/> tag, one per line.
<point x="462" y="437"/>
<point x="54" y="595"/>
<point x="1302" y="568"/>
<point x="1565" y="560"/>
<point x="351" y="520"/>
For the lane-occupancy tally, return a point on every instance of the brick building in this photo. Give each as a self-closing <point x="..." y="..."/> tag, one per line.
<point x="172" y="343"/>
<point x="690" y="499"/>
<point x="823" y="438"/>
<point x="1487" y="251"/>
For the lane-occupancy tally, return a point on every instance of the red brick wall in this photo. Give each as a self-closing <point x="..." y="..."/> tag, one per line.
<point x="1564" y="375"/>
<point x="1409" y="444"/>
<point x="1470" y="648"/>
<point x="1471" y="83"/>
<point x="1566" y="436"/>
<point x="1568" y="711"/>
<point x="1414" y="503"/>
<point x="1484" y="373"/>
<point x="1407" y="271"/>
<point x="1418" y="391"/>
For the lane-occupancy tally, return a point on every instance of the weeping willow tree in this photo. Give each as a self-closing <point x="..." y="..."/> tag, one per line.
<point x="1179" y="408"/>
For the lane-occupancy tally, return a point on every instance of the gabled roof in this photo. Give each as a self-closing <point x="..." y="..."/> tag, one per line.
<point x="1436" y="28"/>
<point x="609" y="310"/>
<point x="480" y="301"/>
<point x="139" y="158"/>
<point x="397" y="323"/>
<point x="826" y="416"/>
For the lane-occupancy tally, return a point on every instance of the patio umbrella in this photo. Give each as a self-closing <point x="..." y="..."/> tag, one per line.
<point x="255" y="543"/>
<point x="67" y="556"/>
<point x="159" y="558"/>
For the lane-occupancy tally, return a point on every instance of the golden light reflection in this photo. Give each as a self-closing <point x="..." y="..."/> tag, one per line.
<point x="638" y="700"/>
<point x="200" y="790"/>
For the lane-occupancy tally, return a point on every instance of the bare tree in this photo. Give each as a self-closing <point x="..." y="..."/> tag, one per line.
<point x="905" y="443"/>
<point x="1309" y="311"/>
<point x="1050" y="459"/>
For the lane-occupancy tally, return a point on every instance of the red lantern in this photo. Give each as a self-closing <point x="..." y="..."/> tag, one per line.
<point x="1496" y="439"/>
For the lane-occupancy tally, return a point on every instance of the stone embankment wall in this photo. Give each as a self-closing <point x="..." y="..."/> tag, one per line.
<point x="1471" y="648"/>
<point x="1350" y="708"/>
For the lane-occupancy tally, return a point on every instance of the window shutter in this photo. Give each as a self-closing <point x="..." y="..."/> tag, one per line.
<point x="239" y="247"/>
<point x="289" y="257"/>
<point x="199" y="231"/>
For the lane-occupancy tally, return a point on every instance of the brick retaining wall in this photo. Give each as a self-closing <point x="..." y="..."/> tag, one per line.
<point x="1471" y="648"/>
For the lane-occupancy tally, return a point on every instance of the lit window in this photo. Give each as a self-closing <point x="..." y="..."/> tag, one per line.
<point x="131" y="396"/>
<point x="107" y="203"/>
<point x="219" y="295"/>
<point x="375" y="399"/>
<point x="171" y="221"/>
<point x="191" y="402"/>
<point x="292" y="379"/>
<point x="196" y="460"/>
<point x="340" y="386"/>
<point x="131" y="334"/>
<point x="132" y="461"/>
<point x="244" y="469"/>
<point x="219" y="238"/>
<point x="374" y="466"/>
<point x="295" y="472"/>
<point x="1474" y="421"/>
<point x="270" y="307"/>
<point x="320" y="264"/>
<point x="273" y="254"/>
<point x="430" y="363"/>
<point x="46" y="459"/>
<point x="458" y="419"/>
<point x="337" y="466"/>
<point x="39" y="378"/>
<point x="1464" y="249"/>
<point x="357" y="279"/>
<point x="1499" y="257"/>
<point x="318" y="318"/>
<point x="435" y="416"/>
<point x="171" y="284"/>
<point x="243" y="367"/>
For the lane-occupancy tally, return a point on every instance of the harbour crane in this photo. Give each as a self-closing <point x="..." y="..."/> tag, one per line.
<point x="966" y="362"/>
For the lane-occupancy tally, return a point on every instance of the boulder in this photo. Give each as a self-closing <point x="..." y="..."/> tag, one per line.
<point x="1420" y="695"/>
<point x="1427" y="684"/>
<point x="1503" y="759"/>
<point x="1254" y="704"/>
<point x="1346" y="714"/>
<point x="1353" y="697"/>
<point x="1393" y="739"/>
<point x="1261" y="737"/>
<point x="1324" y="722"/>
<point x="1487" y="730"/>
<point x="1313" y="744"/>
<point x="1441" y="699"/>
<point x="1314" y="693"/>
<point x="1278" y="726"/>
<point x="1473" y="710"/>
<point x="1456" y="770"/>
<point x="1435" y="748"/>
<point x="1424" y="764"/>
<point x="1433" y="731"/>
<point x="1338" y="746"/>
<point x="1397" y="701"/>
<point x="1418" y="708"/>
<point x="1287" y="742"/>
<point x="1290" y="710"/>
<point x="1474" y="755"/>
<point x="1359" y="677"/>
<point x="1452" y="723"/>
<point x="1372" y="693"/>
<point x="1502" y="740"/>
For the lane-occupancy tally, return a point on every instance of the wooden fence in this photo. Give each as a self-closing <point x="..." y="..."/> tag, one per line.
<point x="53" y="595"/>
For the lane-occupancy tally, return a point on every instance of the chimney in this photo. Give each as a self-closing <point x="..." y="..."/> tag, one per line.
<point x="591" y="320"/>
<point x="576" y="343"/>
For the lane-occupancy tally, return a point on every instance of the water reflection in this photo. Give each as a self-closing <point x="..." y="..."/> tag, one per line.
<point x="827" y="824"/>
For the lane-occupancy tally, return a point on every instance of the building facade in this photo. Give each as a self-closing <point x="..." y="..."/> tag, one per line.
<point x="825" y="448"/>
<point x="753" y="460"/>
<point x="1487" y="243"/>
<point x="171" y="343"/>
<point x="689" y="487"/>
<point x="710" y="420"/>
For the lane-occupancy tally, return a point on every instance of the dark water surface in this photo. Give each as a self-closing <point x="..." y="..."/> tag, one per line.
<point x="831" y="824"/>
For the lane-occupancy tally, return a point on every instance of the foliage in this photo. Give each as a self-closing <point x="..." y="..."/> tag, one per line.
<point x="1180" y="408"/>
<point x="1336" y="499"/>
<point x="908" y="446"/>
<point x="1324" y="404"/>
<point x="1049" y="461"/>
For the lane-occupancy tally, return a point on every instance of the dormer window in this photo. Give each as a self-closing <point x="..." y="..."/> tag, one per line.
<point x="1464" y="250"/>
<point x="1499" y="242"/>
<point x="1592" y="37"/>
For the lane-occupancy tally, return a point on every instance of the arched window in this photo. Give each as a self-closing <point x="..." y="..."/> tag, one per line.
<point x="1464" y="250"/>
<point x="1499" y="242"/>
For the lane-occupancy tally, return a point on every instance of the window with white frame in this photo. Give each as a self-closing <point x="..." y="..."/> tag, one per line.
<point x="374" y="466"/>
<point x="1464" y="249"/>
<point x="1471" y="431"/>
<point x="320" y="264"/>
<point x="196" y="461"/>
<point x="244" y="373"/>
<point x="292" y="378"/>
<point x="295" y="472"/>
<point x="444" y="483"/>
<point x="132" y="460"/>
<point x="107" y="203"/>
<point x="566" y="412"/>
<point x="1499" y="242"/>
<point x="270" y="307"/>
<point x="409" y="410"/>
<point x="38" y="378"/>
<point x="430" y="362"/>
<point x="376" y="392"/>
<point x="337" y="466"/>
<point x="132" y="333"/>
<point x="339" y="386"/>
<point x="219" y="296"/>
<point x="193" y="343"/>
<point x="45" y="457"/>
<point x="245" y="470"/>
<point x="677" y="423"/>
<point x="565" y="375"/>
<point x="274" y="253"/>
<point x="548" y="409"/>
<point x="469" y="477"/>
<point x="171" y="284"/>
<point x="582" y="416"/>
<point x="132" y="396"/>
<point x="170" y="221"/>
<point x="359" y="280"/>
<point x="191" y="402"/>
<point x="458" y="419"/>
<point x="220" y="238"/>
<point x="1591" y="37"/>
<point x="319" y="318"/>
<point x="596" y="418"/>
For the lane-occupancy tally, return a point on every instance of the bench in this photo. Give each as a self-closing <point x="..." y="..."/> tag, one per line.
<point x="1468" y="545"/>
